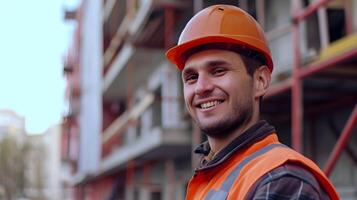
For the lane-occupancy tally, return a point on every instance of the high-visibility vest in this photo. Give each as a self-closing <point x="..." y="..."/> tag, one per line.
<point x="233" y="179"/>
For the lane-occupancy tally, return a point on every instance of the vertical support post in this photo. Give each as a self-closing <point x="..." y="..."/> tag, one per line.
<point x="67" y="143"/>
<point x="296" y="94"/>
<point x="130" y="78"/>
<point x="130" y="172"/>
<point x="130" y="104"/>
<point x="342" y="141"/>
<point x="323" y="30"/>
<point x="170" y="174"/>
<point x="169" y="26"/>
<point x="243" y="4"/>
<point x="130" y="167"/>
<point x="197" y="5"/>
<point x="348" y="16"/>
<point x="167" y="104"/>
<point x="146" y="173"/>
<point x="261" y="13"/>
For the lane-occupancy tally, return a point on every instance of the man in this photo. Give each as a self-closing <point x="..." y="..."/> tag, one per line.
<point x="226" y="67"/>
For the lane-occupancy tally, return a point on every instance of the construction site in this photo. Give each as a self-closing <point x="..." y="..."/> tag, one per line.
<point x="126" y="133"/>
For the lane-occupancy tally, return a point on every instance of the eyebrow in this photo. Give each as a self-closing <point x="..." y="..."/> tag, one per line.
<point x="186" y="71"/>
<point x="209" y="64"/>
<point x="217" y="63"/>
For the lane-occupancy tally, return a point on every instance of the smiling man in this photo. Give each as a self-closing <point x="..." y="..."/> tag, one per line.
<point x="226" y="68"/>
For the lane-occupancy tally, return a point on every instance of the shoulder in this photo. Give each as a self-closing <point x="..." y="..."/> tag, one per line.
<point x="285" y="182"/>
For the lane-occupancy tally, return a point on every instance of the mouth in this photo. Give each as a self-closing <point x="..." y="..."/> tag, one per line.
<point x="209" y="104"/>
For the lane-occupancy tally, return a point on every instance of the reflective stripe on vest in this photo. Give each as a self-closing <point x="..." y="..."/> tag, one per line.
<point x="222" y="193"/>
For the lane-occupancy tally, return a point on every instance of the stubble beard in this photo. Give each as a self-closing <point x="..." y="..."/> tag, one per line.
<point x="233" y="121"/>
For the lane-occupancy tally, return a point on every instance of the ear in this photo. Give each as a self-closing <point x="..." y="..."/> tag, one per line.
<point x="262" y="77"/>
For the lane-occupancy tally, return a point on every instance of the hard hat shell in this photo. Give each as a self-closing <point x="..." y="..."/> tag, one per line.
<point x="220" y="24"/>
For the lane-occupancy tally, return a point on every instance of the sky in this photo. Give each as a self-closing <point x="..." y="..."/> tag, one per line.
<point x="33" y="41"/>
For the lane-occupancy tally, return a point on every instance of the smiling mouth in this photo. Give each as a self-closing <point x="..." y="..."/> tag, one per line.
<point x="209" y="104"/>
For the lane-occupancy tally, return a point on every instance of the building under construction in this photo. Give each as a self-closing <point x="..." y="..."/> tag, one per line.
<point x="126" y="134"/>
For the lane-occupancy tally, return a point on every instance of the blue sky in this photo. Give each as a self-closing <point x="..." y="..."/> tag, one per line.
<point x="33" y="40"/>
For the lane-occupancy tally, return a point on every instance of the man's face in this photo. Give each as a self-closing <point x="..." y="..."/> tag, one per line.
<point x="218" y="91"/>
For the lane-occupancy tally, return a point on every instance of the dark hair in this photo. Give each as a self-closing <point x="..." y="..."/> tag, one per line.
<point x="251" y="58"/>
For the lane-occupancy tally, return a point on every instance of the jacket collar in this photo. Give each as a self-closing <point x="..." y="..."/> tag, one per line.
<point x="255" y="133"/>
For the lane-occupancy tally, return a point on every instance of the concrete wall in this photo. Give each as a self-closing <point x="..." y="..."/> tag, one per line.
<point x="171" y="107"/>
<point x="55" y="173"/>
<point x="90" y="122"/>
<point x="51" y="140"/>
<point x="354" y="15"/>
<point x="277" y="15"/>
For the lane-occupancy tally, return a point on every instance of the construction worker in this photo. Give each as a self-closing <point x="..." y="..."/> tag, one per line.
<point x="226" y="69"/>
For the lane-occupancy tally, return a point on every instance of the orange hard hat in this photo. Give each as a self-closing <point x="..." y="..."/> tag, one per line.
<point x="220" y="24"/>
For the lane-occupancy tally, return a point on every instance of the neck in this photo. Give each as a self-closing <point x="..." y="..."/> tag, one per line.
<point x="217" y="144"/>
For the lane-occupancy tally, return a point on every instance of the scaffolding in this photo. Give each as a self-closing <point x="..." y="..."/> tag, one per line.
<point x="300" y="72"/>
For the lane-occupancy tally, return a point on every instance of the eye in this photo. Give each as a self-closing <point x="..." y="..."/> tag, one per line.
<point x="190" y="78"/>
<point x="219" y="71"/>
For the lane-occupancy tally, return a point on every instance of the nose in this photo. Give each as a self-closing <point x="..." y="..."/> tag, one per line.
<point x="204" y="85"/>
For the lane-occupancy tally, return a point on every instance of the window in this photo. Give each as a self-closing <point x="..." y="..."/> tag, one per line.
<point x="155" y="195"/>
<point x="157" y="110"/>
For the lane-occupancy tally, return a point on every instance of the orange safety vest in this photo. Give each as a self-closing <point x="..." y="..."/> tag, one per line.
<point x="233" y="179"/>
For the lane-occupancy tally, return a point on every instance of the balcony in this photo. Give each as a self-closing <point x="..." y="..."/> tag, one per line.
<point x="146" y="134"/>
<point x="157" y="143"/>
<point x="129" y="70"/>
<point x="136" y="70"/>
<point x="137" y="47"/>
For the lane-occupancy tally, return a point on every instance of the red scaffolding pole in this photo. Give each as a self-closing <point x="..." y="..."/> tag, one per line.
<point x="296" y="85"/>
<point x="296" y="94"/>
<point x="169" y="27"/>
<point x="299" y="73"/>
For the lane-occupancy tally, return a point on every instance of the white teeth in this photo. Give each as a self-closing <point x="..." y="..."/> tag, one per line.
<point x="209" y="104"/>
